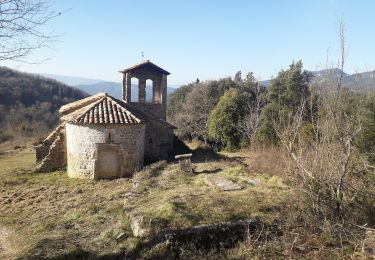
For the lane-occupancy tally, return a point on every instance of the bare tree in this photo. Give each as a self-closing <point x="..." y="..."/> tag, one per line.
<point x="21" y="27"/>
<point x="250" y="123"/>
<point x="327" y="166"/>
<point x="193" y="119"/>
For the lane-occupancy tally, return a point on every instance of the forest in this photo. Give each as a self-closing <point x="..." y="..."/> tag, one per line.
<point x="232" y="113"/>
<point x="326" y="131"/>
<point x="29" y="104"/>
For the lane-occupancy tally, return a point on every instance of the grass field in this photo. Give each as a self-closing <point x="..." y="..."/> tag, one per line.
<point x="48" y="215"/>
<point x="171" y="199"/>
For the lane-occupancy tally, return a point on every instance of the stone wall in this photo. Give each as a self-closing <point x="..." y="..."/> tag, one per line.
<point x="56" y="156"/>
<point x="42" y="150"/>
<point x="83" y="142"/>
<point x="158" y="141"/>
<point x="156" y="110"/>
<point x="51" y="154"/>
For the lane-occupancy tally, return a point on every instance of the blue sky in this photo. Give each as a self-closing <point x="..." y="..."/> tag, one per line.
<point x="207" y="39"/>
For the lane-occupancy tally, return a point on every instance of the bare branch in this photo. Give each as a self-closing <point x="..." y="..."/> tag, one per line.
<point x="21" y="28"/>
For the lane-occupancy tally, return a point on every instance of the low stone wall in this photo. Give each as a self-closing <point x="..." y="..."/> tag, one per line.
<point x="209" y="236"/>
<point x="51" y="154"/>
<point x="42" y="150"/>
<point x="56" y="157"/>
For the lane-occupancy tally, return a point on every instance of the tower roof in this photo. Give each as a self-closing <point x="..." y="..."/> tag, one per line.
<point x="101" y="109"/>
<point x="145" y="63"/>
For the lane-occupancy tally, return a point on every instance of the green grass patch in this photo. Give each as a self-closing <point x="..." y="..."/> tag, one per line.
<point x="170" y="199"/>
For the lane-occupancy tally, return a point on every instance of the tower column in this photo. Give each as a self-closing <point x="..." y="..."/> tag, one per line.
<point x="163" y="89"/>
<point x="156" y="93"/>
<point x="142" y="91"/>
<point x="126" y="87"/>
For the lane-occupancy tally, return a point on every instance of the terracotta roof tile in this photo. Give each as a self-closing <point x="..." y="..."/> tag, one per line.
<point x="106" y="110"/>
<point x="74" y="106"/>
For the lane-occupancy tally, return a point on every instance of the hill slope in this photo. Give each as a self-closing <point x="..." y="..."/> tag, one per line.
<point x="29" y="103"/>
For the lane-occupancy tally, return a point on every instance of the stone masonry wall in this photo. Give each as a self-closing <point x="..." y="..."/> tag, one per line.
<point x="82" y="143"/>
<point x="159" y="141"/>
<point x="42" y="150"/>
<point x="157" y="110"/>
<point x="51" y="154"/>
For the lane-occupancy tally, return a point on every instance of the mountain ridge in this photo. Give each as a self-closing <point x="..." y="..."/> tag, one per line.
<point x="364" y="80"/>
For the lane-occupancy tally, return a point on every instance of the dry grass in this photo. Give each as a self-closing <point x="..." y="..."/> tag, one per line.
<point x="50" y="215"/>
<point x="171" y="199"/>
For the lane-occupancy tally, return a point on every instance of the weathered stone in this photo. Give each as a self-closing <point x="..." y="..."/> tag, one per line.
<point x="138" y="226"/>
<point x="252" y="181"/>
<point x="42" y="150"/>
<point x="51" y="154"/>
<point x="91" y="156"/>
<point x="221" y="183"/>
<point x="210" y="235"/>
<point x="184" y="161"/>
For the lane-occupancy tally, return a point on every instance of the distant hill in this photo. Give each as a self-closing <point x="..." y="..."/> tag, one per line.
<point x="364" y="80"/>
<point x="71" y="80"/>
<point x="115" y="89"/>
<point x="93" y="86"/>
<point x="29" y="103"/>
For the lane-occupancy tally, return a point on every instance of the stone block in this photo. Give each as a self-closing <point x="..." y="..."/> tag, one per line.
<point x="184" y="162"/>
<point x="252" y="181"/>
<point x="221" y="183"/>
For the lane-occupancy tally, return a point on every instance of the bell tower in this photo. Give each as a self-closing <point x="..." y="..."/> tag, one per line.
<point x="144" y="71"/>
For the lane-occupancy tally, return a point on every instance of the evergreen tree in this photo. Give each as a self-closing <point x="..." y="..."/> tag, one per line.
<point x="286" y="94"/>
<point x="225" y="117"/>
<point x="238" y="77"/>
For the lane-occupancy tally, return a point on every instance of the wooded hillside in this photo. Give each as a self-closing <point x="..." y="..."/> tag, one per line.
<point x="29" y="104"/>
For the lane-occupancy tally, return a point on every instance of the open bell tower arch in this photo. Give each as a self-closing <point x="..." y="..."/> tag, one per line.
<point x="144" y="71"/>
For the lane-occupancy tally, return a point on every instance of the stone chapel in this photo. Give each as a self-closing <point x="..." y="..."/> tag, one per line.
<point x="104" y="137"/>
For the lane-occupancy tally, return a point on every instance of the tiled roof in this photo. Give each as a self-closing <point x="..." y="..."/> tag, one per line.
<point x="74" y="106"/>
<point x="106" y="110"/>
<point x="145" y="63"/>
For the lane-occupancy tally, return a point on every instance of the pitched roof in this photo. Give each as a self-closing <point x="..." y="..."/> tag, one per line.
<point x="145" y="63"/>
<point x="74" y="106"/>
<point x="105" y="110"/>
